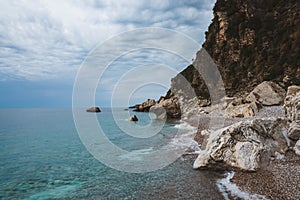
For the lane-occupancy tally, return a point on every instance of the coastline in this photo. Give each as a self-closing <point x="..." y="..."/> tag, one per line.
<point x="276" y="181"/>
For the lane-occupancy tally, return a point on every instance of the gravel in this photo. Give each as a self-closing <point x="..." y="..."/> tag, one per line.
<point x="280" y="180"/>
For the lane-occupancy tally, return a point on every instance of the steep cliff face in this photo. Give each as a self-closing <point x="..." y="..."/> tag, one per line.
<point x="251" y="41"/>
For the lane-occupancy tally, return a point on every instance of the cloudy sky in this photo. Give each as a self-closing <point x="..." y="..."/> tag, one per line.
<point x="44" y="43"/>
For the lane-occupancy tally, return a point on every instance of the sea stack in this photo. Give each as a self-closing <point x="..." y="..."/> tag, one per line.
<point x="93" y="109"/>
<point x="133" y="118"/>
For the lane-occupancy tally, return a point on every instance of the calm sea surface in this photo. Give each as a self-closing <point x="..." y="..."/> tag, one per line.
<point x="42" y="157"/>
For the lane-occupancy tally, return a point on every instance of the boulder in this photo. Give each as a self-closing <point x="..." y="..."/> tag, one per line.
<point x="297" y="148"/>
<point x="294" y="130"/>
<point x="204" y="103"/>
<point x="242" y="110"/>
<point x="292" y="103"/>
<point x="93" y="109"/>
<point x="133" y="118"/>
<point x="247" y="145"/>
<point x="292" y="90"/>
<point x="267" y="93"/>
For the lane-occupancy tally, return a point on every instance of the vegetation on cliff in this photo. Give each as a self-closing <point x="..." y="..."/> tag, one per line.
<point x="251" y="41"/>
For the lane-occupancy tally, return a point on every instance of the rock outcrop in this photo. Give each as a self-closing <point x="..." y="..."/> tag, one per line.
<point x="145" y="106"/>
<point x="250" y="145"/>
<point x="292" y="111"/>
<point x="169" y="108"/>
<point x="297" y="148"/>
<point x="246" y="145"/>
<point x="249" y="42"/>
<point x="267" y="93"/>
<point x="93" y="109"/>
<point x="163" y="108"/>
<point x="292" y="103"/>
<point x="133" y="118"/>
<point x="242" y="110"/>
<point x="294" y="130"/>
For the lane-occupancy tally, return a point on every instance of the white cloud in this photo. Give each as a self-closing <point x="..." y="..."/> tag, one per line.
<point x="49" y="39"/>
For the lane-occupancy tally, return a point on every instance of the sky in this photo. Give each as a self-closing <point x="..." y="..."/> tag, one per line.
<point x="44" y="44"/>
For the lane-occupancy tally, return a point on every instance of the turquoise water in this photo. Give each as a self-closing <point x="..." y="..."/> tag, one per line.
<point x="42" y="157"/>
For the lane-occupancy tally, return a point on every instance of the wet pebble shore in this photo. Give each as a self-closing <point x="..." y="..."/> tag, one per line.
<point x="277" y="181"/>
<point x="280" y="180"/>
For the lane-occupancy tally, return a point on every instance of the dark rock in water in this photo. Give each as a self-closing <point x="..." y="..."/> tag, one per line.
<point x="133" y="118"/>
<point x="135" y="106"/>
<point x="93" y="109"/>
<point x="143" y="109"/>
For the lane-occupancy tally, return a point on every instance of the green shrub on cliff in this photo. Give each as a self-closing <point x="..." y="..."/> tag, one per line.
<point x="261" y="42"/>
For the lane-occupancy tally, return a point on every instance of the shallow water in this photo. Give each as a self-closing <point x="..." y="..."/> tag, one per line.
<point x="42" y="157"/>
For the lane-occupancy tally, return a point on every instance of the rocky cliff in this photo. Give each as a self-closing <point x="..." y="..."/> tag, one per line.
<point x="251" y="41"/>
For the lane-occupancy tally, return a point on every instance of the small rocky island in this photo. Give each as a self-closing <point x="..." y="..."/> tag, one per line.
<point x="255" y="45"/>
<point x="133" y="118"/>
<point x="93" y="109"/>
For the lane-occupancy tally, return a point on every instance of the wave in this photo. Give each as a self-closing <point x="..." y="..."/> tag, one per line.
<point x="186" y="137"/>
<point x="228" y="189"/>
<point x="185" y="126"/>
<point x="136" y="154"/>
<point x="58" y="192"/>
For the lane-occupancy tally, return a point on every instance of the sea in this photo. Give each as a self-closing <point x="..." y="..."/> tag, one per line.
<point x="43" y="157"/>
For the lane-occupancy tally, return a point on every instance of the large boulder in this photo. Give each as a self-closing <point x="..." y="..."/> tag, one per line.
<point x="292" y="90"/>
<point x="242" y="110"/>
<point x="297" y="148"/>
<point x="93" y="109"/>
<point x="292" y="112"/>
<point x="292" y="103"/>
<point x="247" y="145"/>
<point x="294" y="130"/>
<point x="267" y="93"/>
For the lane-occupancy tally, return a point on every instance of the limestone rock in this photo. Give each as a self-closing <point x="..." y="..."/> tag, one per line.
<point x="267" y="93"/>
<point x="159" y="111"/>
<point x="247" y="145"/>
<point x="93" y="109"/>
<point x="133" y="118"/>
<point x="204" y="103"/>
<point x="242" y="110"/>
<point x="169" y="108"/>
<point x="294" y="130"/>
<point x="189" y="107"/>
<point x="145" y="106"/>
<point x="297" y="148"/>
<point x="292" y="103"/>
<point x="292" y="90"/>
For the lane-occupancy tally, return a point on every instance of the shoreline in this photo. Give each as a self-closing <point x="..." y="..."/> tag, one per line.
<point x="278" y="180"/>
